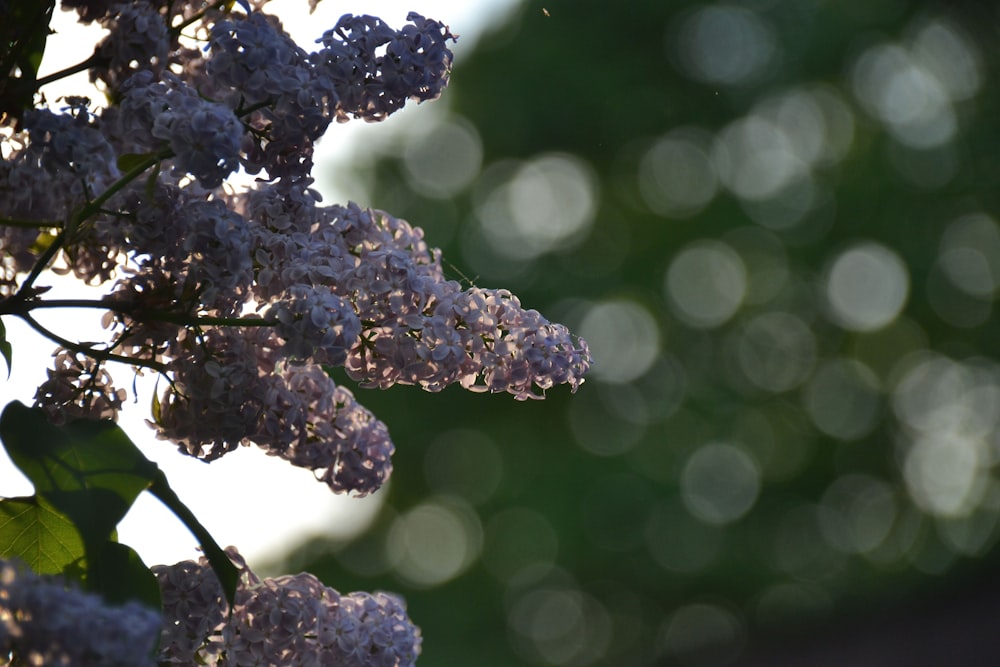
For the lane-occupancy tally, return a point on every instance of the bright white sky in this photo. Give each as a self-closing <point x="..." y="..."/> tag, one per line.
<point x="262" y="505"/>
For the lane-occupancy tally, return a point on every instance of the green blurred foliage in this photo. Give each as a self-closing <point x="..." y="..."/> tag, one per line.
<point x="775" y="224"/>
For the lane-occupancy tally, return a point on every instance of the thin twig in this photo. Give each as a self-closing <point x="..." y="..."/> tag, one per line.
<point x="100" y="355"/>
<point x="22" y="307"/>
<point x="69" y="71"/>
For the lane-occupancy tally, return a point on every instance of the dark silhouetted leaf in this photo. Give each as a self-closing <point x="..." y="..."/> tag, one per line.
<point x="120" y="576"/>
<point x="88" y="470"/>
<point x="5" y="349"/>
<point x="224" y="569"/>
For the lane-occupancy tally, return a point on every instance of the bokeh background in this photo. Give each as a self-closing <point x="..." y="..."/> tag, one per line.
<point x="776" y="225"/>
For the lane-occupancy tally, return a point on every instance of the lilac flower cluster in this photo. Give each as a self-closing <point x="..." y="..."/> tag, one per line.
<point x="332" y="285"/>
<point x="21" y="191"/>
<point x="56" y="165"/>
<point x="417" y="327"/>
<point x="44" y="621"/>
<point x="194" y="609"/>
<point x="78" y="387"/>
<point x="480" y="338"/>
<point x="199" y="246"/>
<point x="315" y="323"/>
<point x="244" y="302"/>
<point x="292" y="620"/>
<point x="204" y="136"/>
<point x="336" y="286"/>
<point x="255" y="64"/>
<point x="78" y="162"/>
<point x="138" y="39"/>
<point x="339" y="286"/>
<point x="365" y="70"/>
<point x="314" y="424"/>
<point x="212" y="403"/>
<point x="232" y="386"/>
<point x="375" y="69"/>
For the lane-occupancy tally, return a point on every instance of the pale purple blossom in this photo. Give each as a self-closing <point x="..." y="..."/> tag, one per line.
<point x="483" y="339"/>
<point x="311" y="422"/>
<point x="204" y="136"/>
<point x="200" y="246"/>
<point x="137" y="38"/>
<point x="194" y="608"/>
<point x="70" y="142"/>
<point x="315" y="324"/>
<point x="47" y="621"/>
<point x="291" y="620"/>
<point x="417" y="327"/>
<point x="78" y="387"/>
<point x="232" y="387"/>
<point x="376" y="69"/>
<point x="373" y="630"/>
<point x="77" y="159"/>
<point x="25" y="194"/>
<point x="331" y="286"/>
<point x="213" y="401"/>
<point x="67" y="162"/>
<point x="257" y="66"/>
<point x="253" y="56"/>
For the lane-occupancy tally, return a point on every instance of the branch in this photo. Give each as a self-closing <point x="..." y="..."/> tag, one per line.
<point x="21" y="307"/>
<point x="176" y="30"/>
<point x="100" y="355"/>
<point x="69" y="71"/>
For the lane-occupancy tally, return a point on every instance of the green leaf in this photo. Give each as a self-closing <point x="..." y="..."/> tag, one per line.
<point x="23" y="34"/>
<point x="155" y="408"/>
<point x="120" y="576"/>
<point x="48" y="542"/>
<point x="45" y="540"/>
<point x="43" y="241"/>
<point x="224" y="569"/>
<point x="5" y="349"/>
<point x="88" y="470"/>
<point x="91" y="472"/>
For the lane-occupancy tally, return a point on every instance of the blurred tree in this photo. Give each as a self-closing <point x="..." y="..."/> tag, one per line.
<point x="774" y="222"/>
